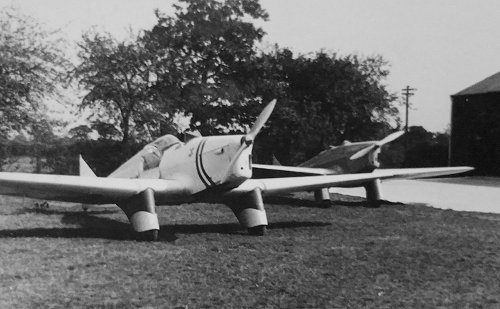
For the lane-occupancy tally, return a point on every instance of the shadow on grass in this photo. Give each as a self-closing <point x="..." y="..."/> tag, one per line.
<point x="105" y="228"/>
<point x="104" y="233"/>
<point x="50" y="211"/>
<point x="233" y="228"/>
<point x="294" y="201"/>
<point x="300" y="202"/>
<point x="91" y="227"/>
<point x="365" y="203"/>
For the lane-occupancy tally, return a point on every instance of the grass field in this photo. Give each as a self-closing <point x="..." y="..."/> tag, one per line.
<point x="344" y="256"/>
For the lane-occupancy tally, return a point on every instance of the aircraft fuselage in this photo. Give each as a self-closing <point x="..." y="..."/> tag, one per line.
<point x="338" y="159"/>
<point x="202" y="164"/>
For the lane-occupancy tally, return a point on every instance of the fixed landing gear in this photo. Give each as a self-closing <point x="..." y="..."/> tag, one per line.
<point x="250" y="212"/>
<point x="325" y="204"/>
<point x="374" y="194"/>
<point x="322" y="197"/>
<point x="374" y="204"/>
<point x="141" y="212"/>
<point x="151" y="235"/>
<point x="259" y="230"/>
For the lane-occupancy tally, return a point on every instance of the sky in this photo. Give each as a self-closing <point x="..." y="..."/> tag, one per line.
<point x="438" y="47"/>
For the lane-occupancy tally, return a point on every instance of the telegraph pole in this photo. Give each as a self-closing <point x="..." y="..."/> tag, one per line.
<point x="407" y="92"/>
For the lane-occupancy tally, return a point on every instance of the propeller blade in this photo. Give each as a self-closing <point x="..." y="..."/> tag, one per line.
<point x="261" y="120"/>
<point x="389" y="138"/>
<point x="248" y="139"/>
<point x="363" y="152"/>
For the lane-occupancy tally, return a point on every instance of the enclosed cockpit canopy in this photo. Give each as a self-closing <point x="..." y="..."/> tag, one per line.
<point x="164" y="142"/>
<point x="148" y="158"/>
<point x="153" y="152"/>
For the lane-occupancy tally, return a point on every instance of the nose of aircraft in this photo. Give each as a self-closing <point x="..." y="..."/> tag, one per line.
<point x="225" y="161"/>
<point x="246" y="142"/>
<point x="243" y="165"/>
<point x="240" y="165"/>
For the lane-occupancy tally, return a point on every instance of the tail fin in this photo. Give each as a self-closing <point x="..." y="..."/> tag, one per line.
<point x="85" y="169"/>
<point x="275" y="161"/>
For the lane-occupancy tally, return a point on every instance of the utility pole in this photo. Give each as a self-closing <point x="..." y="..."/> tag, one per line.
<point x="407" y="92"/>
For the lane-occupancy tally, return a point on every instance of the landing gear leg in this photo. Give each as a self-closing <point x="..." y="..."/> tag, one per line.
<point x="141" y="213"/>
<point x="250" y="212"/>
<point x="322" y="196"/>
<point x="374" y="193"/>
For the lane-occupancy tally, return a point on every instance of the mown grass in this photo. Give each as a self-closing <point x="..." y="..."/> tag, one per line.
<point x="344" y="256"/>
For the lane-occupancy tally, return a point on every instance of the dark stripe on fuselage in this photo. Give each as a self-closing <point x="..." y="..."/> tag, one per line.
<point x="198" y="157"/>
<point x="201" y="164"/>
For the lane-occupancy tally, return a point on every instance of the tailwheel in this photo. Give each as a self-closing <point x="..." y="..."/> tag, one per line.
<point x="258" y="230"/>
<point x="151" y="235"/>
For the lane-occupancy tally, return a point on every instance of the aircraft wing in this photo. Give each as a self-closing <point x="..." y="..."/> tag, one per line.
<point x="270" y="186"/>
<point x="424" y="172"/>
<point x="285" y="171"/>
<point x="93" y="190"/>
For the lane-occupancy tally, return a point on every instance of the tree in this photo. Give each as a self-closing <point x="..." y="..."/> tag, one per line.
<point x="117" y="76"/>
<point x="106" y="131"/>
<point x="80" y="133"/>
<point x="202" y="62"/>
<point x="324" y="99"/>
<point x="198" y="53"/>
<point x="43" y="139"/>
<point x="417" y="148"/>
<point x="32" y="69"/>
<point x="184" y="65"/>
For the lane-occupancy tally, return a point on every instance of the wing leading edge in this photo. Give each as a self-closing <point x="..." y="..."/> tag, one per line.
<point x="270" y="186"/>
<point x="298" y="170"/>
<point x="94" y="190"/>
<point x="99" y="190"/>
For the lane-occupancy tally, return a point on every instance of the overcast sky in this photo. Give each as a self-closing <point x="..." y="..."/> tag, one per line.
<point x="439" y="47"/>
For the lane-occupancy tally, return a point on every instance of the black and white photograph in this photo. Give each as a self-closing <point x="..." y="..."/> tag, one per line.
<point x="249" y="154"/>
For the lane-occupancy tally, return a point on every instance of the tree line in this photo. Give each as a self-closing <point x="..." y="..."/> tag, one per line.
<point x="203" y="64"/>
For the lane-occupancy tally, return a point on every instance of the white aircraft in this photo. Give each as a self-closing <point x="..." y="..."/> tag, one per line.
<point x="348" y="158"/>
<point x="203" y="169"/>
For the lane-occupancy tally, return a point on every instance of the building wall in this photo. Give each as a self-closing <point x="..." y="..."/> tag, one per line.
<point x="475" y="132"/>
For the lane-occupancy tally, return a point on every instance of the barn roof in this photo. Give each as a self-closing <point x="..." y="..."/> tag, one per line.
<point x="487" y="85"/>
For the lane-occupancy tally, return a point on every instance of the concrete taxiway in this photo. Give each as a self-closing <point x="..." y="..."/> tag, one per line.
<point x="480" y="194"/>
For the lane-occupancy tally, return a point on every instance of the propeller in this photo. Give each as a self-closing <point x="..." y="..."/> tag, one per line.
<point x="249" y="138"/>
<point x="259" y="123"/>
<point x="389" y="138"/>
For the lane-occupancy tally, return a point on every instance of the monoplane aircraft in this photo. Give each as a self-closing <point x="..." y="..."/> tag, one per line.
<point x="347" y="158"/>
<point x="202" y="169"/>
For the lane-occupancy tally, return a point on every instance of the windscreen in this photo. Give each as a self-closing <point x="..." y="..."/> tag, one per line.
<point x="152" y="153"/>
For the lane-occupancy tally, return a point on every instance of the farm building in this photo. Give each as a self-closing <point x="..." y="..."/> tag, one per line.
<point x="475" y="127"/>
